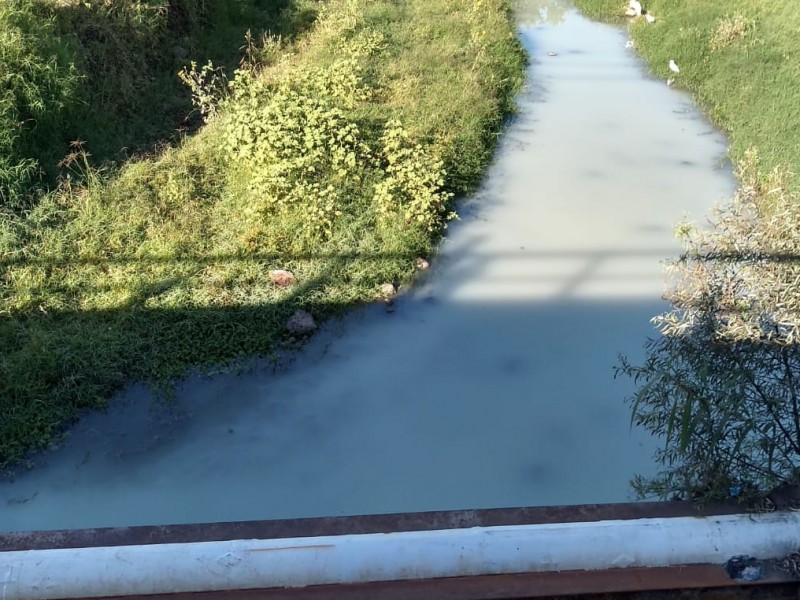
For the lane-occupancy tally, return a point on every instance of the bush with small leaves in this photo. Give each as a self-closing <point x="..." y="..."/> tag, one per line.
<point x="300" y="150"/>
<point x="413" y="182"/>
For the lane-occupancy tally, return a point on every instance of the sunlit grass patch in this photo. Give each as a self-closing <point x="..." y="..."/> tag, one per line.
<point x="729" y="29"/>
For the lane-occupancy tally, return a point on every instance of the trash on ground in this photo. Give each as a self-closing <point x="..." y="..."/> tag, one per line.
<point x="744" y="568"/>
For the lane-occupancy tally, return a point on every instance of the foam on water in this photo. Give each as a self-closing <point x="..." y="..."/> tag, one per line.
<point x="490" y="385"/>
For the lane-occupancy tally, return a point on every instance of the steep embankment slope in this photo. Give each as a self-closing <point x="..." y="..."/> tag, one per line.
<point x="334" y="156"/>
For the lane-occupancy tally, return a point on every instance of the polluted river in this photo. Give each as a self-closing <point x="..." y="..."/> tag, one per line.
<point x="491" y="384"/>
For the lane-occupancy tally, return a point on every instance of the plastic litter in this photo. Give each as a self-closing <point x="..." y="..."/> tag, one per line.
<point x="744" y="568"/>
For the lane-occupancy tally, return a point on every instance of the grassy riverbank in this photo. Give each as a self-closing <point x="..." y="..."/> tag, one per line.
<point x="739" y="58"/>
<point x="334" y="155"/>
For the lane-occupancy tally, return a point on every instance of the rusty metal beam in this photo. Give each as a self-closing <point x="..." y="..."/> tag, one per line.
<point x="692" y="581"/>
<point x="287" y="528"/>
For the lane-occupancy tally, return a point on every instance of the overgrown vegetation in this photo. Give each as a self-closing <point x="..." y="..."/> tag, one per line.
<point x="720" y="385"/>
<point x="37" y="86"/>
<point x="335" y="155"/>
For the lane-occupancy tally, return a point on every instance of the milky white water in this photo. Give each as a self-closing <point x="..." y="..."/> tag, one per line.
<point x="490" y="385"/>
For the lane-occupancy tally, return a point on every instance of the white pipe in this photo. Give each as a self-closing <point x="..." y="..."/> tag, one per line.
<point x="297" y="562"/>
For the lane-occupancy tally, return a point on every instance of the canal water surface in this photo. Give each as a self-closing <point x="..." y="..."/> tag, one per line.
<point x="491" y="384"/>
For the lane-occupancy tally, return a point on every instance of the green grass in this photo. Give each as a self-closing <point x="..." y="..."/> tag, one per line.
<point x="334" y="155"/>
<point x="104" y="73"/>
<point x="740" y="59"/>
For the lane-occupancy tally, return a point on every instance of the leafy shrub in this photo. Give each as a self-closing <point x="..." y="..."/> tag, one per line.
<point x="413" y="182"/>
<point x="208" y="85"/>
<point x="299" y="142"/>
<point x="301" y="149"/>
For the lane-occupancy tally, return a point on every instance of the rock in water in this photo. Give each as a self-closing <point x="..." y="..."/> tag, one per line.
<point x="301" y="322"/>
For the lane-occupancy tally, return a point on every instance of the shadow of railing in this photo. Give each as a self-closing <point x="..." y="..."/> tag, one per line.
<point x="66" y="356"/>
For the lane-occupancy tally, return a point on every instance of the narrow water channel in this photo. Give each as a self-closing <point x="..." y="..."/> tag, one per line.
<point x="492" y="383"/>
